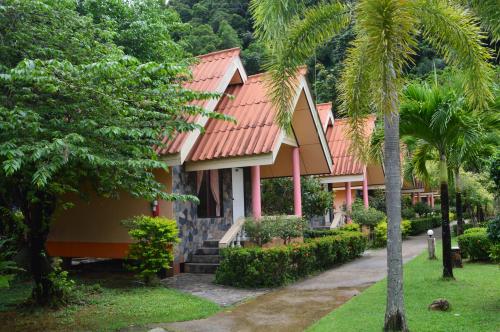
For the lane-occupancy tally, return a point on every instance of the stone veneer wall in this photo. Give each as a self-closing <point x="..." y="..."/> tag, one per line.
<point x="193" y="230"/>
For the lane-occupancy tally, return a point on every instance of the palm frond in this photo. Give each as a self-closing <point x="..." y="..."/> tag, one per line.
<point x="488" y="12"/>
<point x="318" y="25"/>
<point x="454" y="32"/>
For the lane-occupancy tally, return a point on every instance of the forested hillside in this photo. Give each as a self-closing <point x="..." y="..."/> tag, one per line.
<point x="219" y="24"/>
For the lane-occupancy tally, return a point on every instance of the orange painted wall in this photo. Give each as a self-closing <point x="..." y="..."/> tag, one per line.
<point x="92" y="228"/>
<point x="340" y="198"/>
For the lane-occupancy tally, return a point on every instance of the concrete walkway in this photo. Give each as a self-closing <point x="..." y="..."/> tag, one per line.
<point x="295" y="307"/>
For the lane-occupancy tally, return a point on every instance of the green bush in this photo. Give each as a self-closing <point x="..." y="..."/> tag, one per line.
<point x="405" y="228"/>
<point x="267" y="228"/>
<point x="153" y="250"/>
<point x="475" y="244"/>
<point x="315" y="233"/>
<point x="352" y="227"/>
<point x="408" y="213"/>
<point x="493" y="229"/>
<point x="270" y="267"/>
<point x="421" y="225"/>
<point x="8" y="267"/>
<point x="368" y="217"/>
<point x="495" y="252"/>
<point x="380" y="232"/>
<point x="422" y="209"/>
<point x="454" y="228"/>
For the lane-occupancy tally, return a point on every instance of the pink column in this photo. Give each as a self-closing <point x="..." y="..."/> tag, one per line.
<point x="256" y="207"/>
<point x="348" y="194"/>
<point x="365" y="190"/>
<point x="432" y="200"/>
<point x="297" y="198"/>
<point x="413" y="199"/>
<point x="418" y="198"/>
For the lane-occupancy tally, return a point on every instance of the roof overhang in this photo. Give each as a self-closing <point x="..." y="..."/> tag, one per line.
<point x="342" y="178"/>
<point x="234" y="74"/>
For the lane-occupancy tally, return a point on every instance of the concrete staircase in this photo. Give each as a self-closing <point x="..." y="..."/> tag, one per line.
<point x="205" y="259"/>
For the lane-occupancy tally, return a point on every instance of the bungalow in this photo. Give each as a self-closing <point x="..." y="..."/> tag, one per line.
<point x="221" y="165"/>
<point x="350" y="177"/>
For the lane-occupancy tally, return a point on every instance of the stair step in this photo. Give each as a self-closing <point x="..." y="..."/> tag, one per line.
<point x="207" y="251"/>
<point x="205" y="259"/>
<point x="200" y="268"/>
<point x="211" y="244"/>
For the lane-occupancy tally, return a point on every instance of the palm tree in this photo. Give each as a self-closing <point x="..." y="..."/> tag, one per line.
<point x="386" y="38"/>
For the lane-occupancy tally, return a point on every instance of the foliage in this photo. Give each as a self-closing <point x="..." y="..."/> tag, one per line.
<point x="465" y="227"/>
<point x="270" y="267"/>
<point x="377" y="199"/>
<point x="493" y="229"/>
<point x="495" y="252"/>
<point x="82" y="102"/>
<point x="380" y="239"/>
<point x="64" y="287"/>
<point x="8" y="267"/>
<point x="473" y="290"/>
<point x="368" y="217"/>
<point x="314" y="233"/>
<point x="277" y="196"/>
<point x="408" y="213"/>
<point x="265" y="229"/>
<point x="422" y="209"/>
<point x="421" y="225"/>
<point x="153" y="249"/>
<point x="474" y="244"/>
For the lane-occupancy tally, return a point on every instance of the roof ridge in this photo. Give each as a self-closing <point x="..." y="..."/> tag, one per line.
<point x="219" y="52"/>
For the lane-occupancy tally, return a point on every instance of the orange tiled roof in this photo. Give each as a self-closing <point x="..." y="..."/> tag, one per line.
<point x="254" y="132"/>
<point x="207" y="76"/>
<point x="324" y="110"/>
<point x="344" y="162"/>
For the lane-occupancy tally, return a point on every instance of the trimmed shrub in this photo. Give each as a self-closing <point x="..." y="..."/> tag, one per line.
<point x="352" y="227"/>
<point x="267" y="228"/>
<point x="422" y="209"/>
<point x="270" y="267"/>
<point x="421" y="225"/>
<point x="474" y="243"/>
<point x="466" y="227"/>
<point x="408" y="213"/>
<point x="495" y="252"/>
<point x="315" y="233"/>
<point x="151" y="253"/>
<point x="380" y="239"/>
<point x="368" y="217"/>
<point x="405" y="228"/>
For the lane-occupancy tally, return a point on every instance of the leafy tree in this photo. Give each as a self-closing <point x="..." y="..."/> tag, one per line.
<point x="228" y="36"/>
<point x="78" y="111"/>
<point x="386" y="37"/>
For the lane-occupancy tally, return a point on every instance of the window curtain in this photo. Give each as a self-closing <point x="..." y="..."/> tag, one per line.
<point x="214" y="186"/>
<point x="199" y="180"/>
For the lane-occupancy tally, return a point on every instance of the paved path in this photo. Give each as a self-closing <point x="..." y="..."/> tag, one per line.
<point x="295" y="307"/>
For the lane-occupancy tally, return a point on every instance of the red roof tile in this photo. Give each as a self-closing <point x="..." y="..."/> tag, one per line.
<point x="207" y="76"/>
<point x="254" y="132"/>
<point x="344" y="162"/>
<point x="324" y="110"/>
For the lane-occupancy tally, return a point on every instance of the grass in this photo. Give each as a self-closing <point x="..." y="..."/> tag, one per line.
<point x="474" y="297"/>
<point x="118" y="302"/>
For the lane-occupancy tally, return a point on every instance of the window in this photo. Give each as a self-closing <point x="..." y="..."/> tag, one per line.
<point x="209" y="188"/>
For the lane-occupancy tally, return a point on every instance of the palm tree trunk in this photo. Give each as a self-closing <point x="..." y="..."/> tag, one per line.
<point x="445" y="218"/>
<point x="395" y="319"/>
<point x="458" y="203"/>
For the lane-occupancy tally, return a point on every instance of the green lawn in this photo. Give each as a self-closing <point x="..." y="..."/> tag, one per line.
<point x="474" y="298"/>
<point x="120" y="302"/>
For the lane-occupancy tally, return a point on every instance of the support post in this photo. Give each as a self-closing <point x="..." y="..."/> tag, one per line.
<point x="413" y="199"/>
<point x="418" y="198"/>
<point x="297" y="198"/>
<point x="432" y="200"/>
<point x="365" y="189"/>
<point x="348" y="197"/>
<point x="256" y="203"/>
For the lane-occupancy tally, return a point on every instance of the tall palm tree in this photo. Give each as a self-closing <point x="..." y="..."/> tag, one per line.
<point x="386" y="38"/>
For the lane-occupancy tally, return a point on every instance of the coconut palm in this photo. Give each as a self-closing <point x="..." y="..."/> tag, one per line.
<point x="386" y="39"/>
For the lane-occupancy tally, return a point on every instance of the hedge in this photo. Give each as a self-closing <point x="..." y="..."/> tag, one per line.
<point x="475" y="244"/>
<point x="466" y="227"/>
<point x="421" y="225"/>
<point x="271" y="267"/>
